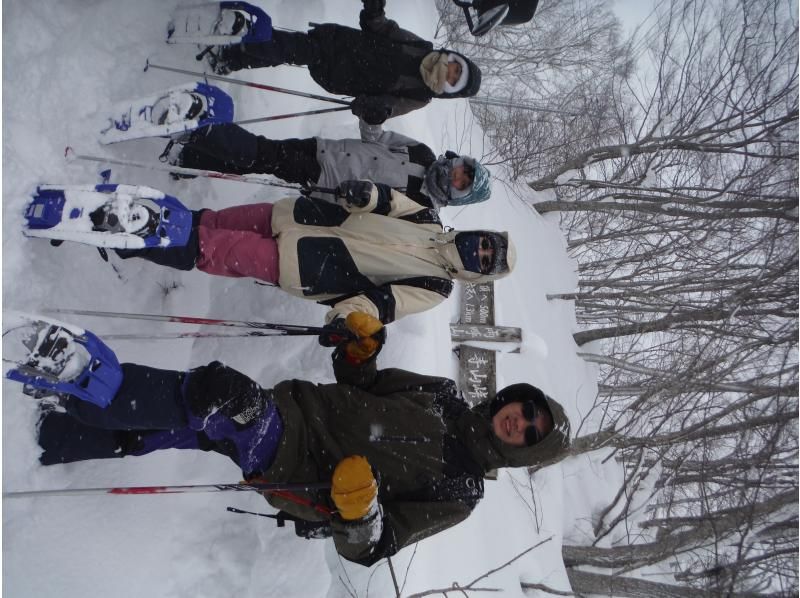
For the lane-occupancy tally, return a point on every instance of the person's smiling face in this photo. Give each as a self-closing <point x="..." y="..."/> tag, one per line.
<point x="509" y="424"/>
<point x="453" y="72"/>
<point x="460" y="178"/>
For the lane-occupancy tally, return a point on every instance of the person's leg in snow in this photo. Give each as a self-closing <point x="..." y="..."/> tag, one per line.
<point x="238" y="242"/>
<point x="232" y="149"/>
<point x="235" y="242"/>
<point x="213" y="407"/>
<point x="285" y="47"/>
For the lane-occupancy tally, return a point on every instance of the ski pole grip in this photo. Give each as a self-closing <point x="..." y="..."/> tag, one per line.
<point x="333" y="336"/>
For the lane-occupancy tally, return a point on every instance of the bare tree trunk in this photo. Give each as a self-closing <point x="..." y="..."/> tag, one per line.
<point x="583" y="582"/>
<point x="635" y="555"/>
<point x="711" y="314"/>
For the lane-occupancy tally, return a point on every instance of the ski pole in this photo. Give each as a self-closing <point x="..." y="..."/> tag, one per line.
<point x="71" y="155"/>
<point x="264" y="119"/>
<point x="299" y="500"/>
<point x="128" y="490"/>
<point x="286" y="517"/>
<point x="303" y="94"/>
<point x="286" y="329"/>
<point x="180" y="335"/>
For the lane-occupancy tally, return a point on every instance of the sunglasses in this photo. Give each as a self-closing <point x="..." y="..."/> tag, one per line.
<point x="530" y="411"/>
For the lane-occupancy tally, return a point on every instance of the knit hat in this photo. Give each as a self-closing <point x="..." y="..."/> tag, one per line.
<point x="518" y="393"/>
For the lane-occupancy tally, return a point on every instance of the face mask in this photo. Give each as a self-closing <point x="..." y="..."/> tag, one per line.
<point x="468" y="244"/>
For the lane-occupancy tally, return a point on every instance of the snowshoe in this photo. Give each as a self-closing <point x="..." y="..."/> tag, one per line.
<point x="219" y="23"/>
<point x="64" y="360"/>
<point x="168" y="113"/>
<point x="112" y="216"/>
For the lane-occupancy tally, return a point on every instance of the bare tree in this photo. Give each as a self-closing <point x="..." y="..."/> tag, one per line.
<point x="679" y="199"/>
<point x="545" y="87"/>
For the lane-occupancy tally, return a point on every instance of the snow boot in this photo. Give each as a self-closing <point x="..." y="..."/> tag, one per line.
<point x="178" y="257"/>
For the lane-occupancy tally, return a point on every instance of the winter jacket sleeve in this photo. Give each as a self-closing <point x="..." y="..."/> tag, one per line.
<point x="403" y="523"/>
<point x="377" y="134"/>
<point x="383" y="532"/>
<point x="392" y="380"/>
<point x="390" y="302"/>
<point x="386" y="381"/>
<point x="389" y="202"/>
<point x="376" y="109"/>
<point x="372" y="19"/>
<point x="361" y="375"/>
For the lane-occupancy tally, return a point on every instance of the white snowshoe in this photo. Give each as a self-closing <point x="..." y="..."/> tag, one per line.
<point x="109" y="216"/>
<point x="219" y="24"/>
<point x="168" y="113"/>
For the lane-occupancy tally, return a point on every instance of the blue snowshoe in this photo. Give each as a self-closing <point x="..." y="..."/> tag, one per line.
<point x="66" y="360"/>
<point x="108" y="216"/>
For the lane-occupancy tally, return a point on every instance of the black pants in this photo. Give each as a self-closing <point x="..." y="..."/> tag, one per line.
<point x="284" y="48"/>
<point x="230" y="148"/>
<point x="159" y="409"/>
<point x="146" y="409"/>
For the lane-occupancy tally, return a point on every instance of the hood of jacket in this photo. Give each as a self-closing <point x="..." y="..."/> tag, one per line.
<point x="490" y="452"/>
<point x="433" y="70"/>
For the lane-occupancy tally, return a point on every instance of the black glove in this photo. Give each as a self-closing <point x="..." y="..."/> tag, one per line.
<point x="338" y="333"/>
<point x="360" y="337"/>
<point x="371" y="109"/>
<point x="355" y="193"/>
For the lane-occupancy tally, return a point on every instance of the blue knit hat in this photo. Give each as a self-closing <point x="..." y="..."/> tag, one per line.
<point x="480" y="189"/>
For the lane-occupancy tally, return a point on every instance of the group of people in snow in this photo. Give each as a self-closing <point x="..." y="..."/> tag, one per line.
<point x="404" y="454"/>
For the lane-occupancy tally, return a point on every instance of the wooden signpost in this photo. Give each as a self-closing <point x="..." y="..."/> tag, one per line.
<point x="477" y="364"/>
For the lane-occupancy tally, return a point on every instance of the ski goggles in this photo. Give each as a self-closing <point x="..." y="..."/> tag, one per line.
<point x="487" y="261"/>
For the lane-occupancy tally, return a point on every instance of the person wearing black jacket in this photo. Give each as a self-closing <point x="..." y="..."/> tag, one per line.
<point x="388" y="70"/>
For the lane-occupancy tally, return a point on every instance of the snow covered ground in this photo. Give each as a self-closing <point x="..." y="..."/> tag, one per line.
<point x="64" y="61"/>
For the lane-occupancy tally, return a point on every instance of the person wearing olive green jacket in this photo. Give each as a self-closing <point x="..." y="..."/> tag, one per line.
<point x="405" y="455"/>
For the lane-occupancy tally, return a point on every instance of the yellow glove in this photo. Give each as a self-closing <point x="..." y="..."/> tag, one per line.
<point x="353" y="488"/>
<point x="371" y="335"/>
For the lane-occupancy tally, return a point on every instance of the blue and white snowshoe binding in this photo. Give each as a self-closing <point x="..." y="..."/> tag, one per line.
<point x="108" y="216"/>
<point x="219" y="24"/>
<point x="64" y="360"/>
<point x="168" y="113"/>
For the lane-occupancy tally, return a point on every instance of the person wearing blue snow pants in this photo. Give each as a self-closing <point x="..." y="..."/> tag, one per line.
<point x="210" y="408"/>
